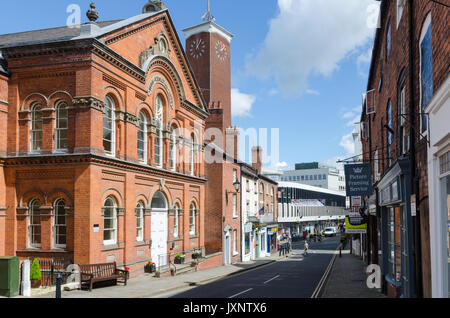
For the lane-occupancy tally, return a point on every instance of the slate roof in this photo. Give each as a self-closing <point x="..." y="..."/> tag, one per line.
<point x="45" y="36"/>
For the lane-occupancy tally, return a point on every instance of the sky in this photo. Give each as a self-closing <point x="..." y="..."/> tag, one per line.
<point x="298" y="67"/>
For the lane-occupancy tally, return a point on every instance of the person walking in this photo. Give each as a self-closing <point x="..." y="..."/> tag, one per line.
<point x="306" y="248"/>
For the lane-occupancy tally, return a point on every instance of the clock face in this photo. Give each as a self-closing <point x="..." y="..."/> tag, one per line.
<point x="197" y="48"/>
<point x="221" y="51"/>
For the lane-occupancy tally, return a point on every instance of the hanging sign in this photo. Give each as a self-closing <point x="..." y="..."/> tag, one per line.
<point x="354" y="229"/>
<point x="358" y="180"/>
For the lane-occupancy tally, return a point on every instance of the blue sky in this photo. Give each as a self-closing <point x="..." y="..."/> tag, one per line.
<point x="297" y="65"/>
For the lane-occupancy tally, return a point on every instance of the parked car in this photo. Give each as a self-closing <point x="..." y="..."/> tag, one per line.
<point x="330" y="231"/>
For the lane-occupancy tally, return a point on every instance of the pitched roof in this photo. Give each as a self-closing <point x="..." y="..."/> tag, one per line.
<point x="45" y="35"/>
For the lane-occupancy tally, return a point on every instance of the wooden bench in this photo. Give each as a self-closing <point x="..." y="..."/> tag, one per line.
<point x="93" y="273"/>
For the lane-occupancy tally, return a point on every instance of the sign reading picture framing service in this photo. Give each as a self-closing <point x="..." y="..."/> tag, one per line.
<point x="358" y="180"/>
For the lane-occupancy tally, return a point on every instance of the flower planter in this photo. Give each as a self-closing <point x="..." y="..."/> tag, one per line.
<point x="149" y="269"/>
<point x="179" y="260"/>
<point x="35" y="283"/>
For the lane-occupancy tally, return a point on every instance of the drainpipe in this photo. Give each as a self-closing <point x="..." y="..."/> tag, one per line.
<point x="412" y="154"/>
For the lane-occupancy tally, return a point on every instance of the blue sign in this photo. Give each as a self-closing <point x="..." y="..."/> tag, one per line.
<point x="358" y="180"/>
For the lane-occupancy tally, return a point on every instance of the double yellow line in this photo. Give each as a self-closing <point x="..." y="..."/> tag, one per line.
<point x="325" y="276"/>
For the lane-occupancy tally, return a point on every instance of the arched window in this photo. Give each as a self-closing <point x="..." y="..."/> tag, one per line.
<point x="61" y="126"/>
<point x="59" y="224"/>
<point x="173" y="150"/>
<point x="192" y="215"/>
<point x="109" y="126"/>
<point x="159" y="134"/>
<point x="110" y="221"/>
<point x="34" y="225"/>
<point x="176" y="220"/>
<point x="140" y="221"/>
<point x="426" y="69"/>
<point x="389" y="132"/>
<point x="142" y="137"/>
<point x="192" y="156"/>
<point x="36" y="127"/>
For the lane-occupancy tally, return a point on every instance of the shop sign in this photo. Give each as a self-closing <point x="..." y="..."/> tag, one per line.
<point x="372" y="205"/>
<point x="356" y="201"/>
<point x="248" y="227"/>
<point x="358" y="179"/>
<point x="356" y="219"/>
<point x="413" y="205"/>
<point x="354" y="229"/>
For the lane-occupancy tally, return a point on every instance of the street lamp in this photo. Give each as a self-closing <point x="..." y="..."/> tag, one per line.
<point x="237" y="189"/>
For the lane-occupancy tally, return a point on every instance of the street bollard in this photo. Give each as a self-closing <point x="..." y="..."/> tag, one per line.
<point x="340" y="251"/>
<point x="58" y="286"/>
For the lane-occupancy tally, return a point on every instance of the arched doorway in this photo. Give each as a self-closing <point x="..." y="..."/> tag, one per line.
<point x="159" y="229"/>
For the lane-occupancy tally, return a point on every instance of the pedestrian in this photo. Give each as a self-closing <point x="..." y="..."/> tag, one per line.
<point x="306" y="248"/>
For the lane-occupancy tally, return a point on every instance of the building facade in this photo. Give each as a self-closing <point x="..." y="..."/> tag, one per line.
<point x="208" y="48"/>
<point x="316" y="175"/>
<point x="259" y="210"/>
<point x="409" y="65"/>
<point x="102" y="158"/>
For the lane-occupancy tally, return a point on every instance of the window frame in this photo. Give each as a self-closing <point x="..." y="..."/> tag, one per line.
<point x="36" y="109"/>
<point x="142" y="137"/>
<point x="427" y="26"/>
<point x="58" y="129"/>
<point x="140" y="217"/>
<point x="57" y="225"/>
<point x="34" y="212"/>
<point x="176" y="224"/>
<point x="192" y="220"/>
<point x="111" y="106"/>
<point x="159" y="142"/>
<point x="173" y="150"/>
<point x="114" y="208"/>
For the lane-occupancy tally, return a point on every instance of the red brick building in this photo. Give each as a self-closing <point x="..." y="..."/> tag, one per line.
<point x="208" y="50"/>
<point x="101" y="158"/>
<point x="409" y="63"/>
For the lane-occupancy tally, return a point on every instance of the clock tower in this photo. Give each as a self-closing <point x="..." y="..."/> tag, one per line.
<point x="208" y="52"/>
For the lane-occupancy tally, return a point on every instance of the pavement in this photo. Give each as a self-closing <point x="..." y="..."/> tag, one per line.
<point x="347" y="279"/>
<point x="148" y="286"/>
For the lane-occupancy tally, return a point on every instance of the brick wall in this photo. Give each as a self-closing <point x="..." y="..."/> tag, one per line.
<point x="390" y="70"/>
<point x="83" y="77"/>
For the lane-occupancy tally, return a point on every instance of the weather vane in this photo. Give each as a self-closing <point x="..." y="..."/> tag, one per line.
<point x="208" y="16"/>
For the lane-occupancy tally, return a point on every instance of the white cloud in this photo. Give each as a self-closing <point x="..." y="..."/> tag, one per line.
<point x="363" y="63"/>
<point x="348" y="144"/>
<point x="282" y="164"/>
<point x="312" y="92"/>
<point x="241" y="104"/>
<point x="310" y="37"/>
<point x="352" y="116"/>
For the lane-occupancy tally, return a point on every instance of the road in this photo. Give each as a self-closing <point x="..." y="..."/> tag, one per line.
<point x="294" y="277"/>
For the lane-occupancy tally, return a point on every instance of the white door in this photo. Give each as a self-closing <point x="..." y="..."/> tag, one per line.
<point x="227" y="249"/>
<point x="159" y="234"/>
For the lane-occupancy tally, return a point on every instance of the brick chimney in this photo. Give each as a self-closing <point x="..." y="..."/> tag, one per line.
<point x="232" y="142"/>
<point x="257" y="158"/>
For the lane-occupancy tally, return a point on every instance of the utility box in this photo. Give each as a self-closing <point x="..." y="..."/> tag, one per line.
<point x="9" y="276"/>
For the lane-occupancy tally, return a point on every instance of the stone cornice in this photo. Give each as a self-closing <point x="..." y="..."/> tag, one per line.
<point x="101" y="160"/>
<point x="87" y="102"/>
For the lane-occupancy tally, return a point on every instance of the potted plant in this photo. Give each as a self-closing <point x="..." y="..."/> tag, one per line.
<point x="179" y="259"/>
<point x="35" y="274"/>
<point x="158" y="274"/>
<point x="150" y="267"/>
<point x="196" y="255"/>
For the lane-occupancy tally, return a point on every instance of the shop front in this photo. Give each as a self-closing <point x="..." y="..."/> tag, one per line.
<point x="397" y="231"/>
<point x="272" y="239"/>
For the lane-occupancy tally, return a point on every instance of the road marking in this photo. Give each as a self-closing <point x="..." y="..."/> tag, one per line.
<point x="241" y="293"/>
<point x="325" y="276"/>
<point x="271" y="279"/>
